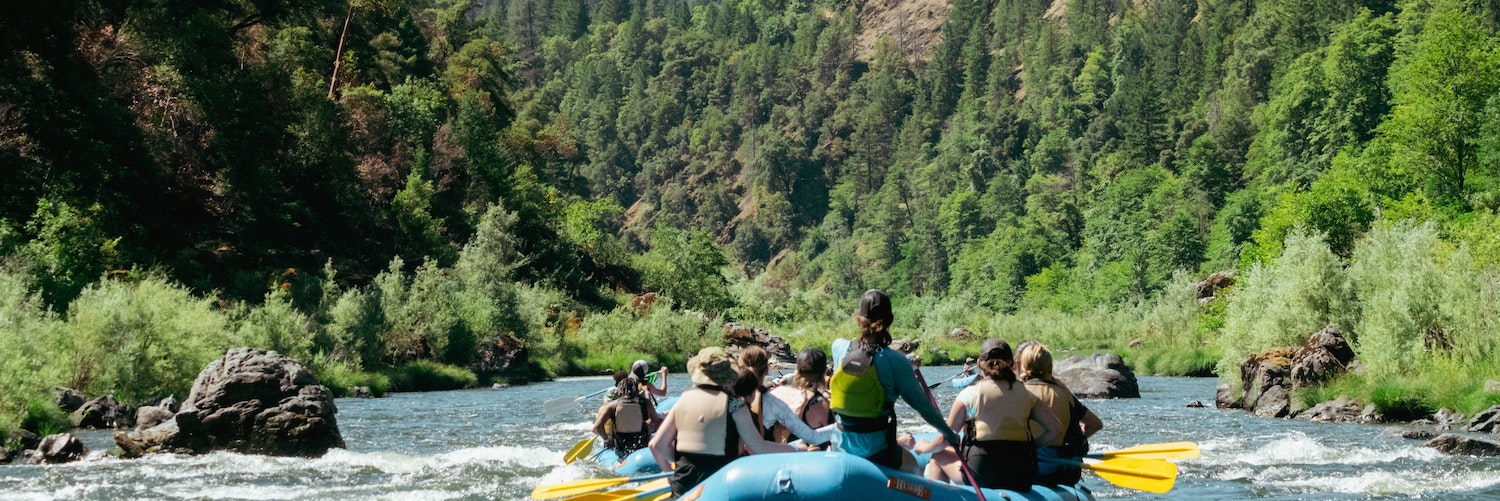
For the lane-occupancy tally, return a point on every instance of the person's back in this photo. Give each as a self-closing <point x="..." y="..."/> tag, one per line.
<point x="806" y="396"/>
<point x="707" y="427"/>
<point x="1001" y="449"/>
<point x="865" y="386"/>
<point x="1034" y="362"/>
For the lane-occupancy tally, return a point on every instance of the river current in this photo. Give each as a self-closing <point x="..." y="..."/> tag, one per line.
<point x="497" y="444"/>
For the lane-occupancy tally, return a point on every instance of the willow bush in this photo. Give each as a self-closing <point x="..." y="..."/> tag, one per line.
<point x="1280" y="303"/>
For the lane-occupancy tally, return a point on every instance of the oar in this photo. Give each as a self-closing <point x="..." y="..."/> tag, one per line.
<point x="962" y="462"/>
<point x="1167" y="450"/>
<point x="587" y="485"/>
<point x="649" y="491"/>
<point x="560" y="405"/>
<point x="580" y="449"/>
<point x="1150" y="475"/>
<point x="950" y="378"/>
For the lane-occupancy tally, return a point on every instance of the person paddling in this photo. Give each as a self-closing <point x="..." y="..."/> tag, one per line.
<point x="869" y="378"/>
<point x="639" y="369"/>
<point x="1034" y="366"/>
<point x="626" y="422"/>
<point x="705" y="429"/>
<point x="997" y="412"/>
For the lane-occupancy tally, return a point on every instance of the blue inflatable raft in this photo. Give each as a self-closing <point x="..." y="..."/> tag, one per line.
<point x="806" y="476"/>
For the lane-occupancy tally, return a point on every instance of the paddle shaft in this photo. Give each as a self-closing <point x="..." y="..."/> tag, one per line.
<point x="962" y="461"/>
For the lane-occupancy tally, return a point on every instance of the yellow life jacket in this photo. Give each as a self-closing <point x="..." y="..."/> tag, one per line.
<point x="1001" y="413"/>
<point x="703" y="421"/>
<point x="855" y="389"/>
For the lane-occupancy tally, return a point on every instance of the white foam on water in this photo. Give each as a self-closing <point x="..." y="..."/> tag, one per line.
<point x="1385" y="483"/>
<point x="1297" y="448"/>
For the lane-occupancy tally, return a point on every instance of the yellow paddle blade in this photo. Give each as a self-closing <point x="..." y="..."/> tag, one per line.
<point x="575" y="487"/>
<point x="580" y="449"/>
<point x="1150" y="475"/>
<point x="1168" y="450"/>
<point x="649" y="490"/>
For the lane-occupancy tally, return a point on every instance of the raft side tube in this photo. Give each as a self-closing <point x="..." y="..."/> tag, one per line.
<point x="819" y="476"/>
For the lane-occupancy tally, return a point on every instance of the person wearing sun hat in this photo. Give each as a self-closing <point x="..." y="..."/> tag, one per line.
<point x="1001" y="451"/>
<point x="870" y="376"/>
<point x="708" y="426"/>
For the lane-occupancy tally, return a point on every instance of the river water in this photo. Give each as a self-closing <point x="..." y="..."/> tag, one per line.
<point x="497" y="444"/>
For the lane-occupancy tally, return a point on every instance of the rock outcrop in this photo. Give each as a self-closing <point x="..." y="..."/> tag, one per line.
<point x="102" y="413"/>
<point x="1340" y="410"/>
<point x="738" y="336"/>
<point x="1101" y="375"/>
<point x="1460" y="445"/>
<point x="1486" y="421"/>
<point x="1267" y="379"/>
<point x="1444" y="420"/>
<point x="1324" y="356"/>
<point x="507" y="357"/>
<point x="251" y="401"/>
<point x="1419" y="434"/>
<point x="1210" y="287"/>
<point x="906" y="346"/>
<point x="1264" y="380"/>
<point x="151" y="415"/>
<point x="68" y="399"/>
<point x="59" y="448"/>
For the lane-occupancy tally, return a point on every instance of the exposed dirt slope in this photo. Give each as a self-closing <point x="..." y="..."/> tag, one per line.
<point x="915" y="25"/>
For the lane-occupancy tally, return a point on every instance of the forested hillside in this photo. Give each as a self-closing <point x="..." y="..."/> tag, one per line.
<point x="389" y="184"/>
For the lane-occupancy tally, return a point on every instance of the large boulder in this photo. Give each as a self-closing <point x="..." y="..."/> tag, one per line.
<point x="1210" y="287"/>
<point x="1324" y="356"/>
<point x="1264" y="380"/>
<point x="1101" y="375"/>
<point x="1225" y="398"/>
<point x="68" y="399"/>
<point x="1340" y="410"/>
<point x="60" y="448"/>
<point x="151" y="415"/>
<point x="251" y="401"/>
<point x="505" y="356"/>
<point x="1487" y="421"/>
<point x="98" y="414"/>
<point x="739" y="336"/>
<point x="906" y="346"/>
<point x="1461" y="445"/>
<point x="1445" y="420"/>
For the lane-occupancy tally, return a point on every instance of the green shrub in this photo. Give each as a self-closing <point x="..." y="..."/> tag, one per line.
<point x="1400" y="285"/>
<point x="1280" y="303"/>
<point x="43" y="417"/>
<point x="29" y="346"/>
<point x="276" y="325"/>
<point x="140" y="340"/>
<point x="661" y="331"/>
<point x="426" y="375"/>
<point x="356" y="322"/>
<point x="342" y="378"/>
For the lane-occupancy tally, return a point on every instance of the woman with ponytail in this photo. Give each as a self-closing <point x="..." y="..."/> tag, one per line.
<point x="868" y="379"/>
<point x="997" y="413"/>
<point x="1034" y="363"/>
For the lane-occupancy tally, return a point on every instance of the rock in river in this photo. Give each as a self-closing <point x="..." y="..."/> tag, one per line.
<point x="100" y="414"/>
<point x="1461" y="445"/>
<point x="1101" y="375"/>
<point x="60" y="448"/>
<point x="251" y="401"/>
